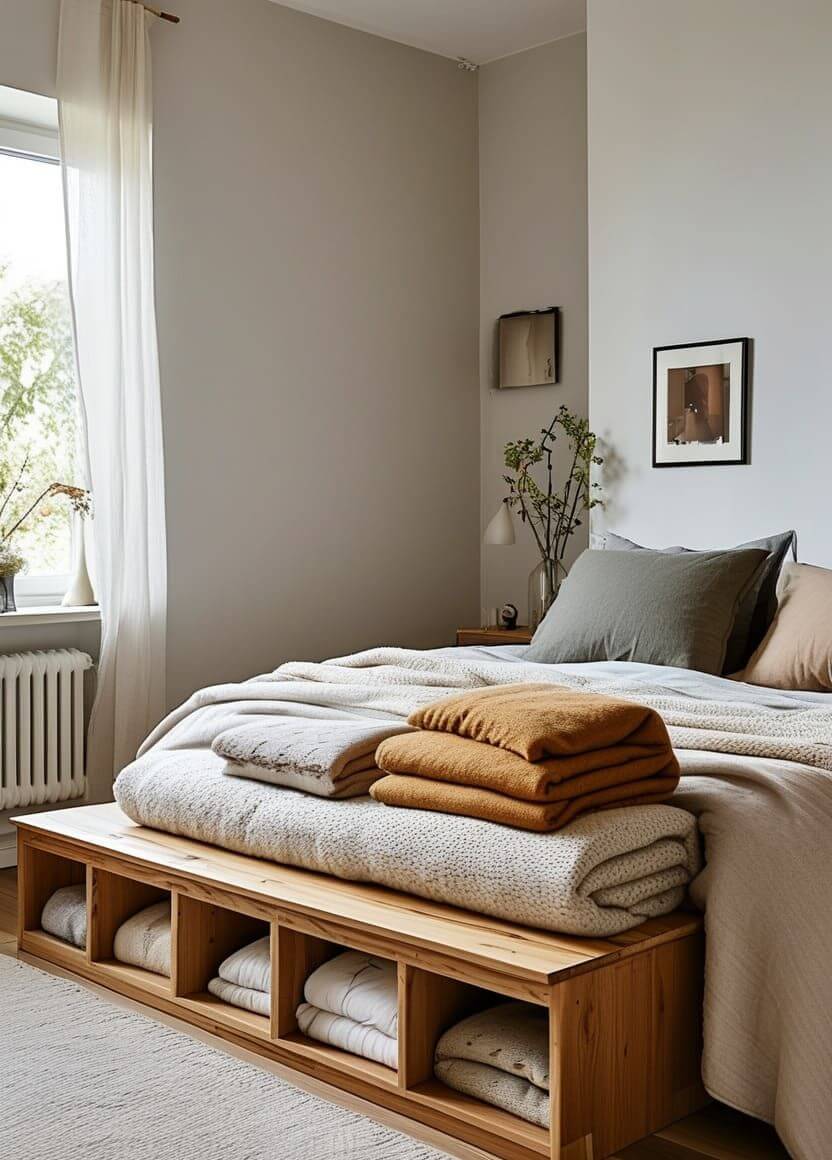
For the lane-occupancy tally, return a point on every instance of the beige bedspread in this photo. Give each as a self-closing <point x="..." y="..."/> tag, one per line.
<point x="755" y="770"/>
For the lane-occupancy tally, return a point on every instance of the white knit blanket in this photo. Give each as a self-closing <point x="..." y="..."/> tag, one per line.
<point x="755" y="771"/>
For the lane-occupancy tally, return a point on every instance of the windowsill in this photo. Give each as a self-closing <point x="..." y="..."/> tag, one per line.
<point x="48" y="614"/>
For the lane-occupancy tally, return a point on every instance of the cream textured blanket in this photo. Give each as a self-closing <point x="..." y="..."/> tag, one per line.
<point x="501" y="1056"/>
<point x="755" y="770"/>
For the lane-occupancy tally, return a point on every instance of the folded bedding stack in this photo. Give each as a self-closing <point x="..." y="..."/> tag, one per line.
<point x="352" y="1003"/>
<point x="533" y="756"/>
<point x="144" y="940"/>
<point x="65" y="915"/>
<point x="500" y="1056"/>
<point x="244" y="979"/>
<point x="332" y="759"/>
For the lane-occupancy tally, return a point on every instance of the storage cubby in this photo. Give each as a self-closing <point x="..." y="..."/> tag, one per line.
<point x="41" y="873"/>
<point x="297" y="955"/>
<point x="624" y="1013"/>
<point x="429" y="1004"/>
<point x="203" y="935"/>
<point x="111" y="899"/>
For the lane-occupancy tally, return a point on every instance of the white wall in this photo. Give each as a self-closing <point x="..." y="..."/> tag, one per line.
<point x="710" y="162"/>
<point x="532" y="254"/>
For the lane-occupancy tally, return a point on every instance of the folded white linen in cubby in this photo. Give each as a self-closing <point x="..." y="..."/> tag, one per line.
<point x="500" y="1056"/>
<point x="245" y="997"/>
<point x="144" y="940"/>
<point x="360" y="986"/>
<point x="244" y="978"/>
<point x="65" y="915"/>
<point x="249" y="967"/>
<point x="356" y="1038"/>
<point x="352" y="1003"/>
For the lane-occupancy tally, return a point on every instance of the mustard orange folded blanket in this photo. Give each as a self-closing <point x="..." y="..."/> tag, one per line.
<point x="420" y="793"/>
<point x="530" y="756"/>
<point x="447" y="757"/>
<point x="538" y="721"/>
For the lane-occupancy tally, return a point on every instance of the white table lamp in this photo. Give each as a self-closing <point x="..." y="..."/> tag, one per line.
<point x="500" y="530"/>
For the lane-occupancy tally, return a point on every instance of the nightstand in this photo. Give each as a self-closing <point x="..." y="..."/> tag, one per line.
<point x="520" y="635"/>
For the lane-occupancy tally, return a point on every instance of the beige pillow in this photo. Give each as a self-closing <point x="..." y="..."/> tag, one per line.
<point x="796" y="652"/>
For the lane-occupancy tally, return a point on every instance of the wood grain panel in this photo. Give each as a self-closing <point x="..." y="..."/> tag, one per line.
<point x="629" y="1046"/>
<point x="108" y="838"/>
<point x="428" y="1005"/>
<point x="295" y="957"/>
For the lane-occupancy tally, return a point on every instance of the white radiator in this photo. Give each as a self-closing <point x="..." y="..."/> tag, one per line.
<point x="42" y="727"/>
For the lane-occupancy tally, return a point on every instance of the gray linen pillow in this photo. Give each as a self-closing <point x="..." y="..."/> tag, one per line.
<point x="759" y="604"/>
<point x="655" y="607"/>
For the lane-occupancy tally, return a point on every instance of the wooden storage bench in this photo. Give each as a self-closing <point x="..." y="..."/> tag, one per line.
<point x="624" y="1012"/>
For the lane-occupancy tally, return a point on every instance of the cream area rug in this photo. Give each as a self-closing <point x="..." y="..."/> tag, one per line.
<point x="83" y="1079"/>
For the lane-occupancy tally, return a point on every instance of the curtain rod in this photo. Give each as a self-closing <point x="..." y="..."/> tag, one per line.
<point x="158" y="12"/>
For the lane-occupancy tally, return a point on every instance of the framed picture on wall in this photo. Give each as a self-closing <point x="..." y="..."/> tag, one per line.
<point x="700" y="403"/>
<point x="528" y="354"/>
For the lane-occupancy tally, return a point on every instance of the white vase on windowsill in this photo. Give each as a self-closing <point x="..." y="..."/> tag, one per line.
<point x="80" y="593"/>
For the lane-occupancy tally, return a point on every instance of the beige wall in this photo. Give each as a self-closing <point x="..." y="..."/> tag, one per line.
<point x="710" y="186"/>
<point x="533" y="235"/>
<point x="316" y="226"/>
<point x="317" y="273"/>
<point x="29" y="44"/>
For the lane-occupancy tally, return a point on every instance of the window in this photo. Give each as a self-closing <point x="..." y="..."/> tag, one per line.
<point x="39" y="424"/>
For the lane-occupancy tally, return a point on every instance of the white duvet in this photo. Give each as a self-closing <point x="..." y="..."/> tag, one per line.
<point x="766" y="821"/>
<point x="352" y="1002"/>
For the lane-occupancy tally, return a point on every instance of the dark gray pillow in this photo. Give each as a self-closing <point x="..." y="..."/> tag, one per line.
<point x="656" y="607"/>
<point x="758" y="606"/>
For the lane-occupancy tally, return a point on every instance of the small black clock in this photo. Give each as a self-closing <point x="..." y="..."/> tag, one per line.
<point x="508" y="616"/>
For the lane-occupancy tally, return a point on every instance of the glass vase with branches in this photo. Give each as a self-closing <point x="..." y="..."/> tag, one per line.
<point x="552" y="512"/>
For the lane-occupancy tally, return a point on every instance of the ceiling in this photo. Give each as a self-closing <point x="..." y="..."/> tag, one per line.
<point x="479" y="30"/>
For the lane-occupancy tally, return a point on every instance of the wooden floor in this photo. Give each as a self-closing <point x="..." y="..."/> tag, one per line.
<point x="717" y="1132"/>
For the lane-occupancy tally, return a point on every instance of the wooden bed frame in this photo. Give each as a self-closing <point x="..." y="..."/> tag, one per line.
<point x="624" y="1012"/>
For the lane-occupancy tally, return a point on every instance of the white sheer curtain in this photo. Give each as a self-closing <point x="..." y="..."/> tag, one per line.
<point x="104" y="89"/>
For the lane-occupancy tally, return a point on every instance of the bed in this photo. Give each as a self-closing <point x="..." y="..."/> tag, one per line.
<point x="756" y="773"/>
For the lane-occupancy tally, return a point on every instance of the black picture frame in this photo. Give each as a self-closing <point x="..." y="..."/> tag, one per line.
<point x="745" y="345"/>
<point x="554" y="311"/>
